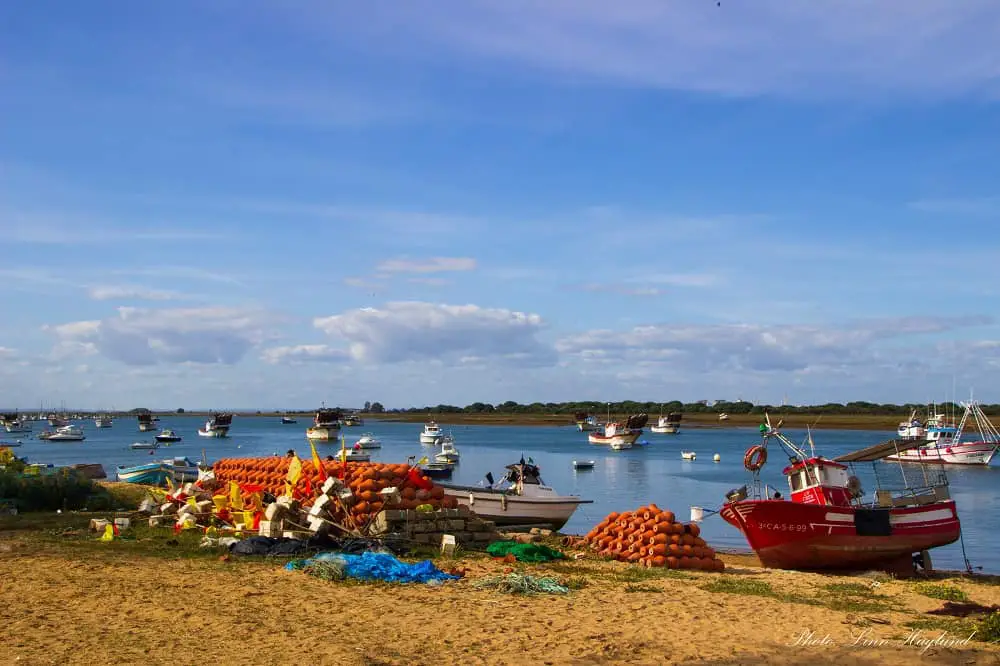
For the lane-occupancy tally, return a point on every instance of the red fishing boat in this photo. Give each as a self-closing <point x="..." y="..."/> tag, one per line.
<point x="828" y="524"/>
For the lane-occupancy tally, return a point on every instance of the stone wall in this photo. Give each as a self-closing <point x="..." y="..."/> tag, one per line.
<point x="427" y="527"/>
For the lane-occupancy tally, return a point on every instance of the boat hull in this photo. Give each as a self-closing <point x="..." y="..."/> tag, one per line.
<point x="429" y="440"/>
<point x="792" y="535"/>
<point x="322" y="433"/>
<point x="504" y="509"/>
<point x="623" y="440"/>
<point x="153" y="475"/>
<point x="214" y="432"/>
<point x="665" y="430"/>
<point x="965" y="453"/>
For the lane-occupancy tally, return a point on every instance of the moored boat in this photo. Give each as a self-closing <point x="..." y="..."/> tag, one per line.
<point x="437" y="470"/>
<point x="368" y="441"/>
<point x="68" y="433"/>
<point x="519" y="498"/>
<point x="621" y="435"/>
<point x="667" y="425"/>
<point x="146" y="423"/>
<point x="448" y="452"/>
<point x="912" y="428"/>
<point x="178" y="470"/>
<point x="431" y="434"/>
<point x="942" y="440"/>
<point x="168" y="435"/>
<point x="826" y="524"/>
<point x="15" y="424"/>
<point x="103" y="421"/>
<point x="352" y="420"/>
<point x="688" y="455"/>
<point x="287" y="420"/>
<point x="586" y="422"/>
<point x="326" y="425"/>
<point x="144" y="446"/>
<point x="583" y="464"/>
<point x="217" y="426"/>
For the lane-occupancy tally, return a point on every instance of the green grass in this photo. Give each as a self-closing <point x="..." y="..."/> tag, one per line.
<point x="745" y="586"/>
<point x="847" y="597"/>
<point x="944" y="592"/>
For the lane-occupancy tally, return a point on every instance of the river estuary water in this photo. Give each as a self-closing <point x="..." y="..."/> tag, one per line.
<point x="619" y="481"/>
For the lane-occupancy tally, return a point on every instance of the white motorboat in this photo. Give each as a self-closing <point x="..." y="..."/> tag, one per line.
<point x="69" y="433"/>
<point x="103" y="422"/>
<point x="144" y="446"/>
<point x="667" y="425"/>
<point x="351" y="420"/>
<point x="56" y="421"/>
<point x="368" y="441"/>
<point x="168" y="435"/>
<point x="688" y="455"/>
<point x="326" y="425"/>
<point x="431" y="434"/>
<point x="217" y="426"/>
<point x="354" y="455"/>
<point x="448" y="453"/>
<point x="520" y="498"/>
<point x="146" y="423"/>
<point x="723" y="416"/>
<point x="583" y="464"/>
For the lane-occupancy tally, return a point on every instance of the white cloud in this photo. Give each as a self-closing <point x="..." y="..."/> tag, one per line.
<point x="420" y="331"/>
<point x="738" y="48"/>
<point x="130" y="292"/>
<point x="746" y="349"/>
<point x="140" y="336"/>
<point x="431" y="265"/>
<point x="304" y="354"/>
<point x="7" y="352"/>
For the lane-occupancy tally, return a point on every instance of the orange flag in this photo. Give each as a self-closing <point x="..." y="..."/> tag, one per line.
<point x="317" y="463"/>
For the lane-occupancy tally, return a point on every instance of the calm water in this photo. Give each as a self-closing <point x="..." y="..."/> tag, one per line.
<point x="620" y="480"/>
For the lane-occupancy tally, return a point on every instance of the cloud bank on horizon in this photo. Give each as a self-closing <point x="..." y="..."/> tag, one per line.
<point x="450" y="202"/>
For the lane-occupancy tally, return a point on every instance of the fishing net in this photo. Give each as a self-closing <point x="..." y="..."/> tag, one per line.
<point x="371" y="566"/>
<point x="524" y="552"/>
<point x="514" y="583"/>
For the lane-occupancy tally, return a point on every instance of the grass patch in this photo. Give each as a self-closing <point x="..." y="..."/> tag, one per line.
<point x="641" y="588"/>
<point x="948" y="625"/>
<point x="574" y="583"/>
<point x="945" y="592"/>
<point x="746" y="586"/>
<point x="854" y="598"/>
<point x="636" y="574"/>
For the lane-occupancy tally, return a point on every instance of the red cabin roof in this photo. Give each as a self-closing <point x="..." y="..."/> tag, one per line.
<point x="814" y="462"/>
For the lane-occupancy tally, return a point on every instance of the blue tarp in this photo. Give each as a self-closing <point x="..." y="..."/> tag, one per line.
<point x="378" y="566"/>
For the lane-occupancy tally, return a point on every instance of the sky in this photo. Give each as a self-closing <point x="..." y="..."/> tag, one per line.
<point x="245" y="204"/>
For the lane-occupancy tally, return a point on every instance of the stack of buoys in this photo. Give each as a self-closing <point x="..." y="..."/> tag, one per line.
<point x="651" y="536"/>
<point x="365" y="480"/>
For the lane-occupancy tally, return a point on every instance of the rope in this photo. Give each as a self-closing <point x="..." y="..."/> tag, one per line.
<point x="968" y="564"/>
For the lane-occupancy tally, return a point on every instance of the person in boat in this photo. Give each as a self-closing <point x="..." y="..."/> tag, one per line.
<point x="290" y="453"/>
<point x="777" y="495"/>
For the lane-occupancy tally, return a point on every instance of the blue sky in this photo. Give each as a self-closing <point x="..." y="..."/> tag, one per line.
<point x="248" y="204"/>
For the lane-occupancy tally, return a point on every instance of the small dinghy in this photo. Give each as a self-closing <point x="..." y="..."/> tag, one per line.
<point x="168" y="436"/>
<point x="437" y="470"/>
<point x="688" y="455"/>
<point x="583" y="464"/>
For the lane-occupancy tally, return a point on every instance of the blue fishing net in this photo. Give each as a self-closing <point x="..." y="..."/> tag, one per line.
<point x="376" y="566"/>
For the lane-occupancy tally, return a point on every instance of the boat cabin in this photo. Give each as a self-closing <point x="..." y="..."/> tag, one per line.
<point x="222" y="420"/>
<point x="326" y="418"/>
<point x="819" y="481"/>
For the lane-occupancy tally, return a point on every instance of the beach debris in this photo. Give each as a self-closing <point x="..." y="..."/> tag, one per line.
<point x="370" y="566"/>
<point x="515" y="583"/>
<point x="524" y="552"/>
<point x="651" y="536"/>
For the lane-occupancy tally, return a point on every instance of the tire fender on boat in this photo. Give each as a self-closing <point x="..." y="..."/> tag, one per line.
<point x="503" y="502"/>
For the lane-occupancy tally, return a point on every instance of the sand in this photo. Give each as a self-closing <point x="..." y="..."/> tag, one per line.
<point x="95" y="607"/>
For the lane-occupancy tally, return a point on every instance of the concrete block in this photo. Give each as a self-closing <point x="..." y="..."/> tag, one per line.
<point x="420" y="527"/>
<point x="332" y="485"/>
<point x="424" y="538"/>
<point x="390" y="495"/>
<point x="270" y="528"/>
<point x="456" y="525"/>
<point x="448" y="544"/>
<point x="484" y="537"/>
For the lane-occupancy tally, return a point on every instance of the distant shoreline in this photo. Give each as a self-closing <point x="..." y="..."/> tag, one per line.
<point x="694" y="420"/>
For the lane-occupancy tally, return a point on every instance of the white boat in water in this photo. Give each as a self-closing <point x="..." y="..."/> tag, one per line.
<point x="586" y="422"/>
<point x="368" y="441"/>
<point x="431" y="434"/>
<point x="146" y="423"/>
<point x="15" y="424"/>
<point x="69" y="433"/>
<point x="912" y="429"/>
<point x="103" y="422"/>
<point x="944" y="443"/>
<point x="520" y="498"/>
<point x="667" y="425"/>
<point x="168" y="435"/>
<point x="448" y="453"/>
<point x="688" y="455"/>
<point x="217" y="426"/>
<point x="620" y="435"/>
<point x="179" y="470"/>
<point x="144" y="446"/>
<point x="326" y="425"/>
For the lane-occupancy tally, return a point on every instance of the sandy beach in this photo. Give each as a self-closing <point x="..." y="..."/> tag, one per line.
<point x="68" y="599"/>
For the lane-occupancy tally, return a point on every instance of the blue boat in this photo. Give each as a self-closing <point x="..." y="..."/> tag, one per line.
<point x="157" y="473"/>
<point x="151" y="474"/>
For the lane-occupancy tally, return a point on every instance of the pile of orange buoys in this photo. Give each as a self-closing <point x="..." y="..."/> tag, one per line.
<point x="365" y="480"/>
<point x="652" y="537"/>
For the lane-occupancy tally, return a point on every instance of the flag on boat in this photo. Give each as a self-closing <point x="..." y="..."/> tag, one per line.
<point x="489" y="478"/>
